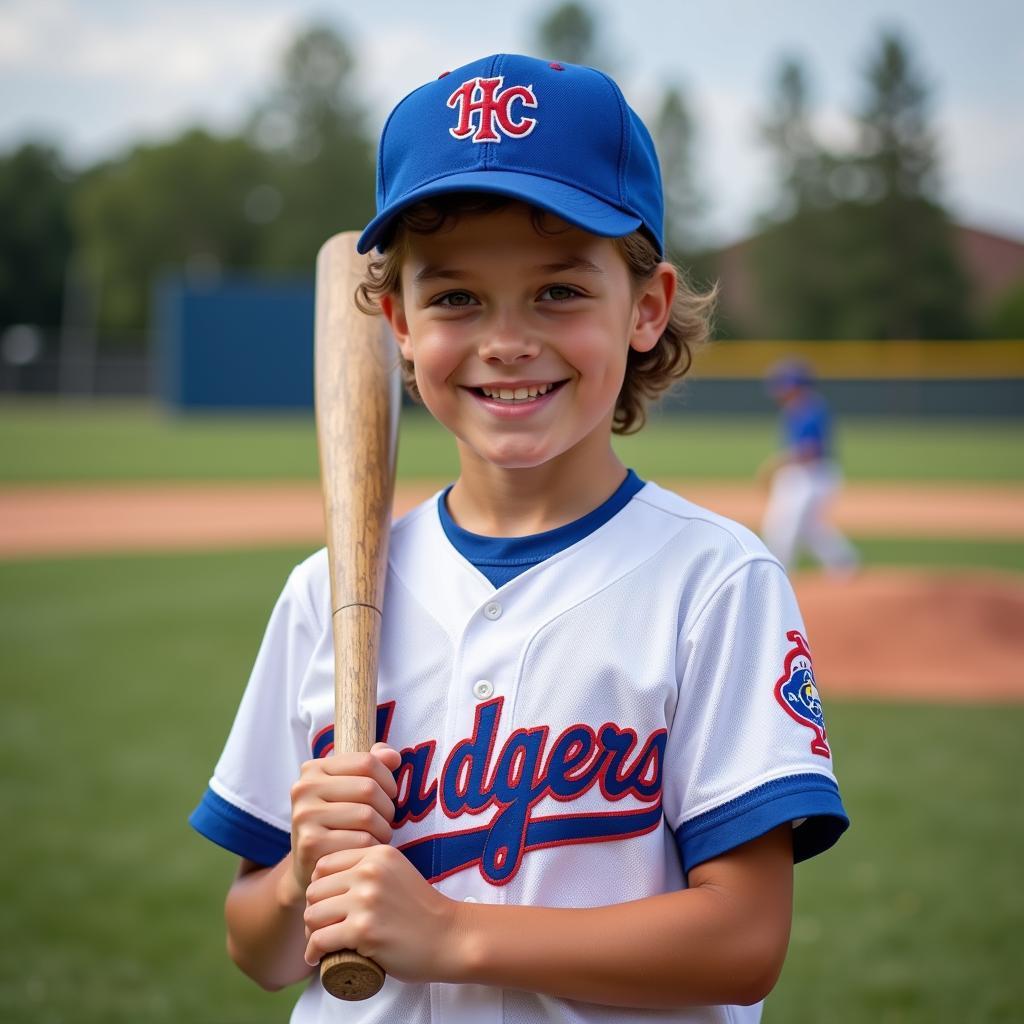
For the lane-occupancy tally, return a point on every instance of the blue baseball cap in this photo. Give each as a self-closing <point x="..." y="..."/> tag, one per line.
<point x="557" y="136"/>
<point x="789" y="374"/>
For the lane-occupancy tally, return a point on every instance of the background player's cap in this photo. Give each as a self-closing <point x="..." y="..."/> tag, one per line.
<point x="557" y="136"/>
<point x="789" y="374"/>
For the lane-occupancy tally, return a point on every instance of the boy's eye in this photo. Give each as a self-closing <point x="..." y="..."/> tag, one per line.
<point x="559" y="292"/>
<point x="455" y="299"/>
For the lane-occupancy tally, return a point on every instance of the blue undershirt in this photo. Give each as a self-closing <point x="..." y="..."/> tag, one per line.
<point x="501" y="559"/>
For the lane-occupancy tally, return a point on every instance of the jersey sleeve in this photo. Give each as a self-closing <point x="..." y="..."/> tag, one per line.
<point x="247" y="806"/>
<point x="748" y="749"/>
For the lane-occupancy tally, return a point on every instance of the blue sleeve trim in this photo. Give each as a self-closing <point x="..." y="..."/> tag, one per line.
<point x="811" y="796"/>
<point x="238" y="831"/>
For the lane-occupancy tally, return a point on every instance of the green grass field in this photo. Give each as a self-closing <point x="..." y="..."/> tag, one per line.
<point x="121" y="676"/>
<point x="47" y="441"/>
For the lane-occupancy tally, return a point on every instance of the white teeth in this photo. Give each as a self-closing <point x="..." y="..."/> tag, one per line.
<point x="517" y="394"/>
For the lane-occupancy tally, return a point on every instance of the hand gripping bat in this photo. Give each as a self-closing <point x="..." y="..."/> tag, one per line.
<point x="357" y="401"/>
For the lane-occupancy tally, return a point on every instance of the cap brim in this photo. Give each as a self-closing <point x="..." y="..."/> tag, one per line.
<point x="574" y="206"/>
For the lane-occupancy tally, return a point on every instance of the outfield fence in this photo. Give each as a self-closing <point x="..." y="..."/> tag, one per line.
<point x="972" y="379"/>
<point x="249" y="347"/>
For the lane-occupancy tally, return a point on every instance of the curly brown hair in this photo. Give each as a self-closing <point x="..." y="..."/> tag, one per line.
<point x="648" y="374"/>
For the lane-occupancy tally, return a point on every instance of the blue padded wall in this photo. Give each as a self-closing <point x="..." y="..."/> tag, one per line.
<point x="238" y="344"/>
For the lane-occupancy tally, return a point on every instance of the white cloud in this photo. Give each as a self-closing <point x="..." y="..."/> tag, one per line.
<point x="100" y="79"/>
<point x="98" y="74"/>
<point x="157" y="45"/>
<point x="981" y="156"/>
<point x="394" y="64"/>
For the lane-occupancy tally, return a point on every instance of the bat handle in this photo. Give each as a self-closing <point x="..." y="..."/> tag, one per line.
<point x="350" y="976"/>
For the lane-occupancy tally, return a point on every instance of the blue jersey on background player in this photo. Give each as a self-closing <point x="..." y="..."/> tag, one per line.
<point x="602" y="746"/>
<point x="807" y="427"/>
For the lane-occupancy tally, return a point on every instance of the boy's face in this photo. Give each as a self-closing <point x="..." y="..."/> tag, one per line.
<point x="519" y="339"/>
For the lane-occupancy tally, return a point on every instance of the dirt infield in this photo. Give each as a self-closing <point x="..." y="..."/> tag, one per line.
<point x="886" y="634"/>
<point x="50" y="520"/>
<point x="904" y="634"/>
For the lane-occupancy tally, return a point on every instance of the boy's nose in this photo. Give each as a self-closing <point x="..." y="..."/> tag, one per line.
<point x="507" y="340"/>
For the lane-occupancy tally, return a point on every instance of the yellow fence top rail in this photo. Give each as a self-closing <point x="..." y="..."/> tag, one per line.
<point x="973" y="360"/>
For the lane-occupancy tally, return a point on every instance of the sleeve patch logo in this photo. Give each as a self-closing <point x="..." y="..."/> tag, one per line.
<point x="797" y="693"/>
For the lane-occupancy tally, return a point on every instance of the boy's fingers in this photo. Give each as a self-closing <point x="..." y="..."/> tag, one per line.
<point x="332" y="863"/>
<point x="326" y="940"/>
<point x="371" y="797"/>
<point x="325" y="902"/>
<point x="388" y="755"/>
<point x="349" y="820"/>
<point x="319" y="891"/>
<point x="378" y="788"/>
<point x="368" y="765"/>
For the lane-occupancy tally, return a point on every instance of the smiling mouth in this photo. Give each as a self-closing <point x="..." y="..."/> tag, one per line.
<point x="521" y="394"/>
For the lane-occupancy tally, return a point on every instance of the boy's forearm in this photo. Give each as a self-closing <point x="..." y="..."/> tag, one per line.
<point x="701" y="946"/>
<point x="625" y="955"/>
<point x="266" y="934"/>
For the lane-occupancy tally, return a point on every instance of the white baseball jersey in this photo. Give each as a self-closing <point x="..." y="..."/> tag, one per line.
<point x="634" y="705"/>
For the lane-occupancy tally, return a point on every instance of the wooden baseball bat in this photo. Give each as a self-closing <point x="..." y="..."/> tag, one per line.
<point x="357" y="401"/>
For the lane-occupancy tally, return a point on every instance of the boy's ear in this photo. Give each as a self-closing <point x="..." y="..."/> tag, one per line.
<point x="394" y="312"/>
<point x="652" y="308"/>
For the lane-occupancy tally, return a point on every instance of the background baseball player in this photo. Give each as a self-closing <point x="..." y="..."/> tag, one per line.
<point x="804" y="475"/>
<point x="602" y="743"/>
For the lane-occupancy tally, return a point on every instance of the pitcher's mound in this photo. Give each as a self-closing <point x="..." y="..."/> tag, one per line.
<point x="903" y="633"/>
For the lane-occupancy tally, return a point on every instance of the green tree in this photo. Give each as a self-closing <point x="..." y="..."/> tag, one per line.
<point x="311" y="128"/>
<point x="795" y="258"/>
<point x="897" y="149"/>
<point x="802" y="162"/>
<point x="858" y="245"/>
<point x="183" y="206"/>
<point x="903" y="277"/>
<point x="685" y="203"/>
<point x="35" y="243"/>
<point x="1005" y="318"/>
<point x="570" y="32"/>
<point x="201" y="203"/>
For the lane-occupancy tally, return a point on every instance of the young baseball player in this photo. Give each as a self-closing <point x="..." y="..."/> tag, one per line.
<point x="601" y="745"/>
<point x="803" y="475"/>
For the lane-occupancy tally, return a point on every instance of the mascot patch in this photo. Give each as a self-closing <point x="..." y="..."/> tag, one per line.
<point x="797" y="693"/>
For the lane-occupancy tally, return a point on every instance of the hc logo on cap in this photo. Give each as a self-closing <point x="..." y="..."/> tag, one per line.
<point x="482" y="96"/>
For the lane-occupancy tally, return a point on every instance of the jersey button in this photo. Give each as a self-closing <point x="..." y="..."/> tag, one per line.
<point x="492" y="610"/>
<point x="470" y="899"/>
<point x="482" y="689"/>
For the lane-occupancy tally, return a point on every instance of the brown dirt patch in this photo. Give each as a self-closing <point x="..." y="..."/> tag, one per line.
<point x="53" y="520"/>
<point x="994" y="511"/>
<point x="68" y="520"/>
<point x="886" y="634"/>
<point x="917" y="635"/>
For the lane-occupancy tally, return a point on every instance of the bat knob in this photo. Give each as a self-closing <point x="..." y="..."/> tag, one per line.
<point x="349" y="976"/>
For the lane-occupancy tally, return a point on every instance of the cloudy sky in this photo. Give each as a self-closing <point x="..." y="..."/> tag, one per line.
<point x="95" y="75"/>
